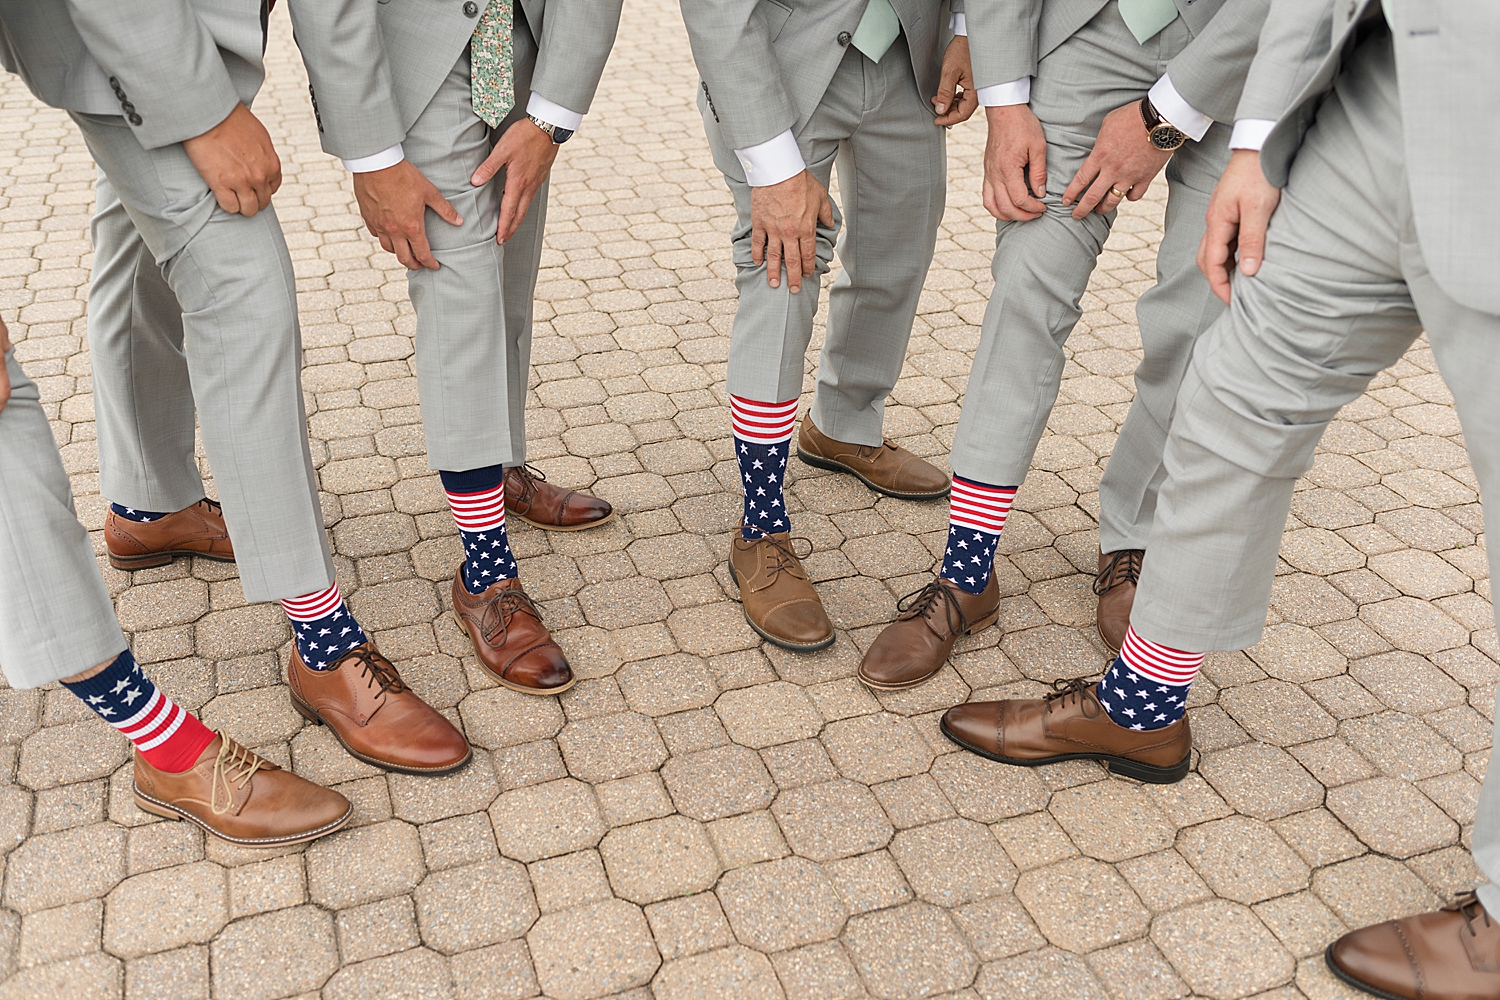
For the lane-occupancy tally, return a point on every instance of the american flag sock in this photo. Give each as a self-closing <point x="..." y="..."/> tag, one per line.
<point x="976" y="515"/>
<point x="477" y="499"/>
<point x="324" y="627"/>
<point x="131" y="514"/>
<point x="166" y="735"/>
<point x="762" y="437"/>
<point x="1147" y="685"/>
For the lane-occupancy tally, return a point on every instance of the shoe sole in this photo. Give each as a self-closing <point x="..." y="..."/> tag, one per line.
<point x="563" y="527"/>
<point x="819" y="462"/>
<point x="796" y="647"/>
<point x="157" y="807"/>
<point x="159" y="559"/>
<point x="539" y="692"/>
<point x="978" y="626"/>
<point x="311" y="715"/>
<point x="1123" y="766"/>
<point x="1349" y="980"/>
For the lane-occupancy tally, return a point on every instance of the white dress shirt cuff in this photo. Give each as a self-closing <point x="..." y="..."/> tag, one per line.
<point x="1170" y="105"/>
<point x="1250" y="133"/>
<point x="1003" y="94"/>
<point x="772" y="161"/>
<point x="375" y="161"/>
<point x="553" y="113"/>
<point x="957" y="24"/>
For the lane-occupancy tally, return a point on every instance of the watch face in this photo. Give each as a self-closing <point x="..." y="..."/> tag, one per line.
<point x="1165" y="137"/>
<point x="561" y="135"/>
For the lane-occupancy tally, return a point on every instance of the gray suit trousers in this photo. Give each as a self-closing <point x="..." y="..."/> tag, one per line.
<point x="56" y="618"/>
<point x="892" y="165"/>
<point x="1042" y="269"/>
<point x="1343" y="291"/>
<point x="473" y="335"/>
<point x="193" y="308"/>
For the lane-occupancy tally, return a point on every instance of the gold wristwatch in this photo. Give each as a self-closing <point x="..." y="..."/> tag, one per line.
<point x="1164" y="135"/>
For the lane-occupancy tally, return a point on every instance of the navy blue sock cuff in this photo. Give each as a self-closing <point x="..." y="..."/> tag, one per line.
<point x="473" y="481"/>
<point x="988" y="486"/>
<point x="131" y="514"/>
<point x="101" y="683"/>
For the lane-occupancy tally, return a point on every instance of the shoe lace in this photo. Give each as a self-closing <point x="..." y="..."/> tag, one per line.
<point x="380" y="671"/>
<point x="1077" y="688"/>
<point x="213" y="505"/>
<point x="783" y="554"/>
<point x="529" y="475"/>
<point x="1124" y="566"/>
<point x="924" y="601"/>
<point x="506" y="606"/>
<point x="1469" y="906"/>
<point x="233" y="768"/>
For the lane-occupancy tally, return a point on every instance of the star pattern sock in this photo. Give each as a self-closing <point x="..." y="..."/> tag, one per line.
<point x="166" y="735"/>
<point x="144" y="516"/>
<point x="477" y="499"/>
<point x="976" y="516"/>
<point x="762" y="438"/>
<point x="324" y="627"/>
<point x="1147" y="685"/>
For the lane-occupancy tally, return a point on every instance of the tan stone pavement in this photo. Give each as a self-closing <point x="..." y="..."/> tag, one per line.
<point x="705" y="815"/>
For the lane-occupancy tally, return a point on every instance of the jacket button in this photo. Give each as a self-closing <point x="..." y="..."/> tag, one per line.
<point x="114" y="82"/>
<point x="844" y="37"/>
<point x="127" y="107"/>
<point x="134" y="119"/>
<point x="471" y="9"/>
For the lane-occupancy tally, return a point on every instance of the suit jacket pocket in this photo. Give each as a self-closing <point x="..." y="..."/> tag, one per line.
<point x="775" y="14"/>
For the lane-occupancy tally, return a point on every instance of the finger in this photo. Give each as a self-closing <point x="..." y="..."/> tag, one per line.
<point x="825" y="211"/>
<point x="1098" y="194"/>
<point x="792" y="255"/>
<point x="758" y="245"/>
<point x="773" y="261"/>
<point x="943" y="100"/>
<point x="421" y="252"/>
<point x="1038" y="163"/>
<point x="385" y="242"/>
<point x="445" y="211"/>
<point x="489" y="168"/>
<point x="518" y="206"/>
<point x="809" y="247"/>
<point x="1020" y="196"/>
<point x="1213" y="255"/>
<point x="227" y="201"/>
<point x="959" y="109"/>
<point x="1086" y="175"/>
<point x="1252" y="241"/>
<point x="402" y="250"/>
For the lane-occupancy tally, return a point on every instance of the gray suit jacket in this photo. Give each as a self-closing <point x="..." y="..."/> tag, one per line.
<point x="1445" y="67"/>
<point x="173" y="68"/>
<point x="1008" y="38"/>
<point x="374" y="64"/>
<point x="766" y="64"/>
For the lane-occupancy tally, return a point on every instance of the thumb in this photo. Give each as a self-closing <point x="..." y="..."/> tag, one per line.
<point x="489" y="168"/>
<point x="1038" y="165"/>
<point x="944" y="97"/>
<point x="445" y="211"/>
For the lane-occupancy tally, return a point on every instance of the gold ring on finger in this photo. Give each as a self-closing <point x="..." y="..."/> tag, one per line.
<point x="1117" y="192"/>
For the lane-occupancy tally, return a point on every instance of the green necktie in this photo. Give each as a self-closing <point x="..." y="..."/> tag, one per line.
<point x="1145" y="18"/>
<point x="877" y="29"/>
<point x="492" y="82"/>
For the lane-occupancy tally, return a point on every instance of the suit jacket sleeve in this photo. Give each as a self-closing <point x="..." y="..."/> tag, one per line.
<point x="1210" y="72"/>
<point x="1002" y="39"/>
<point x="165" y="61"/>
<point x="577" y="36"/>
<point x="1293" y="44"/>
<point x="354" y="99"/>
<point x="747" y="93"/>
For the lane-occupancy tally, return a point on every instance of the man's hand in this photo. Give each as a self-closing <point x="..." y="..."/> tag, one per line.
<point x="394" y="203"/>
<point x="1015" y="151"/>
<point x="1238" y="213"/>
<point x="526" y="153"/>
<point x="237" y="161"/>
<point x="1123" y="160"/>
<point x="957" y="78"/>
<point x="4" y="378"/>
<point x="784" y="227"/>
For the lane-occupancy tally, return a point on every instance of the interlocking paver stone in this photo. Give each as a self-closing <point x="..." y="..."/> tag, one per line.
<point x="1222" y="950"/>
<point x="659" y="859"/>
<point x="1243" y="859"/>
<point x="781" y="904"/>
<point x="1082" y="904"/>
<point x="832" y="820"/>
<point x="466" y="908"/>
<point x="593" y="950"/>
<point x="912" y="951"/>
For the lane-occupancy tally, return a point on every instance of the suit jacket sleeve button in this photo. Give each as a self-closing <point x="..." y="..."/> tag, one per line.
<point x="471" y="9"/>
<point x="844" y="37"/>
<point x="135" y="119"/>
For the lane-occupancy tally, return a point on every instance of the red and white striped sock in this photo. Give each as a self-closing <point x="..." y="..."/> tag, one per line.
<point x="762" y="440"/>
<point x="324" y="627"/>
<point x="976" y="516"/>
<point x="123" y="695"/>
<point x="477" y="499"/>
<point x="1147" y="685"/>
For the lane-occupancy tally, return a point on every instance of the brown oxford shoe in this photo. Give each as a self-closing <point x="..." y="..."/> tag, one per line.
<point x="916" y="645"/>
<point x="365" y="704"/>
<point x="1069" y="724"/>
<point x="778" y="598"/>
<point x="197" y="531"/>
<point x="240" y="797"/>
<point x="509" y="638"/>
<point x="530" y="497"/>
<point x="1452" y="954"/>
<point x="887" y="468"/>
<point x="1115" y="588"/>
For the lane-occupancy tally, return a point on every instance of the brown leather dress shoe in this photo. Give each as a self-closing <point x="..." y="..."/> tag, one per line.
<point x="1069" y="724"/>
<point x="1115" y="587"/>
<point x="241" y="797"/>
<point x="530" y="497"/>
<point x="916" y="645"/>
<point x="779" y="600"/>
<point x="888" y="469"/>
<point x="509" y="638"/>
<point x="1453" y="954"/>
<point x="197" y="531"/>
<point x="377" y="718"/>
